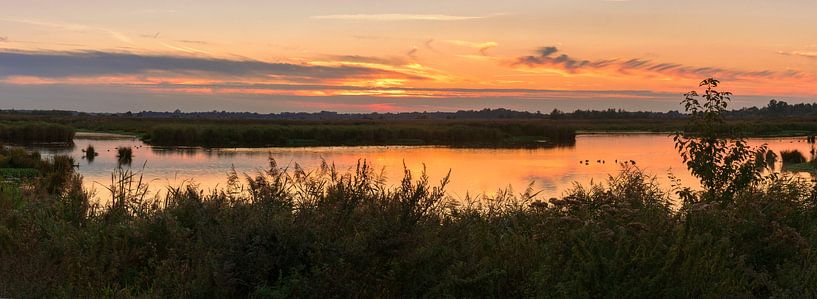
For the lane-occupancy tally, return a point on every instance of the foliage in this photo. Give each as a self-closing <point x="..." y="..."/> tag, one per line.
<point x="90" y="153"/>
<point x="18" y="173"/>
<point x="124" y="155"/>
<point x="456" y="134"/>
<point x="723" y="162"/>
<point x="35" y="132"/>
<point x="792" y="156"/>
<point x="770" y="158"/>
<point x="285" y="232"/>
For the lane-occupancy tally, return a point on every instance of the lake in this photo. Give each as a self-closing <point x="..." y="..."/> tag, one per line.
<point x="475" y="171"/>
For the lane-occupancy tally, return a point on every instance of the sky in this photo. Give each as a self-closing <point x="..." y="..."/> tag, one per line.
<point x="391" y="56"/>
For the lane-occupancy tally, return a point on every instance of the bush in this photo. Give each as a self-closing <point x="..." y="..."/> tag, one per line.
<point x="124" y="155"/>
<point x="792" y="156"/>
<point x="90" y="153"/>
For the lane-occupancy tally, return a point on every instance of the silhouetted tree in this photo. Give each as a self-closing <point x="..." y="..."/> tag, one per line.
<point x="723" y="162"/>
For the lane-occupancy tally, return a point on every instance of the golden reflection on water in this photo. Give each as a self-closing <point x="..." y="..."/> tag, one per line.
<point x="474" y="171"/>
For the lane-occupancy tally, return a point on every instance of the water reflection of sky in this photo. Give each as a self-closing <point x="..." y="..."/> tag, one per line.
<point x="478" y="171"/>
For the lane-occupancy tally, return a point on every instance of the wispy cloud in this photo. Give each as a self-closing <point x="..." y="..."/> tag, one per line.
<point x="550" y="57"/>
<point x="89" y="64"/>
<point x="370" y="37"/>
<point x="4" y="39"/>
<point x="188" y="50"/>
<point x="183" y="49"/>
<point x="155" y="11"/>
<point x="808" y="54"/>
<point x="70" y="27"/>
<point x="397" y="17"/>
<point x="482" y="47"/>
<point x="413" y="53"/>
<point x="195" y="42"/>
<point x="367" y="59"/>
<point x="521" y="93"/>
<point x="155" y="35"/>
<point x="428" y="45"/>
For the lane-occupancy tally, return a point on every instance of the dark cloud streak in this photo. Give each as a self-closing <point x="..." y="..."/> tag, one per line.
<point x="550" y="57"/>
<point x="546" y="57"/>
<point x="87" y="64"/>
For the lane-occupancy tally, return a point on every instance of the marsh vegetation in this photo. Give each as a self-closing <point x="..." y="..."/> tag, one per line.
<point x="485" y="134"/>
<point x="792" y="156"/>
<point x="124" y="155"/>
<point x="291" y="232"/>
<point x="35" y="132"/>
<point x="90" y="153"/>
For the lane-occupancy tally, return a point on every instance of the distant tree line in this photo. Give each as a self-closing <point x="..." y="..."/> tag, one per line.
<point x="484" y="114"/>
<point x="773" y="109"/>
<point x="613" y="114"/>
<point x="39" y="112"/>
<point x="777" y="109"/>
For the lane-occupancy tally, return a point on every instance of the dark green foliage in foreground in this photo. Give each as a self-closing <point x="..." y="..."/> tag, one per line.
<point x="456" y="134"/>
<point x="35" y="132"/>
<point x="21" y="167"/>
<point x="325" y="234"/>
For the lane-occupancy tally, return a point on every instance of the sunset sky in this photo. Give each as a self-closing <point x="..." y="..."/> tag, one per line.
<point x="386" y="55"/>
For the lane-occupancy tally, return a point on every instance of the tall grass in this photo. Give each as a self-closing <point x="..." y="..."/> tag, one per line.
<point x="90" y="153"/>
<point x="35" y="132"/>
<point x="770" y="158"/>
<point x="124" y="155"/>
<point x="288" y="232"/>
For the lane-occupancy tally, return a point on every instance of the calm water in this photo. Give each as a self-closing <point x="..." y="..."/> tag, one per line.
<point x="478" y="171"/>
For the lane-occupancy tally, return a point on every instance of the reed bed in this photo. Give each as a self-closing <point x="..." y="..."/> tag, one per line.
<point x="296" y="233"/>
